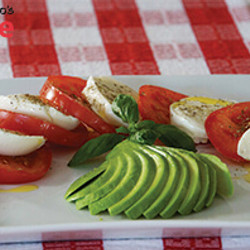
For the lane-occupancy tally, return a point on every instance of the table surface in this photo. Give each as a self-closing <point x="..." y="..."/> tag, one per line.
<point x="127" y="37"/>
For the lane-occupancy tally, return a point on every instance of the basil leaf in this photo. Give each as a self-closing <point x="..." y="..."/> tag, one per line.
<point x="125" y="107"/>
<point x="172" y="136"/>
<point x="145" y="124"/>
<point x="122" y="130"/>
<point x="95" y="147"/>
<point x="144" y="136"/>
<point x="132" y="128"/>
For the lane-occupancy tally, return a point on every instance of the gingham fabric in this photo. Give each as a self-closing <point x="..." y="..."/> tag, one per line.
<point x="239" y="243"/>
<point x="127" y="37"/>
<point x="83" y="37"/>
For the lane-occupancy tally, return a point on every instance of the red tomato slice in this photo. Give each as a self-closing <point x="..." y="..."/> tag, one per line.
<point x="64" y="94"/>
<point x="68" y="84"/>
<point x="154" y="103"/>
<point x="29" y="125"/>
<point x="225" y="127"/>
<point x="22" y="169"/>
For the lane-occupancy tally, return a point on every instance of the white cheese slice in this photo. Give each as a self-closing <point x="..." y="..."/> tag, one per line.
<point x="100" y="92"/>
<point x="14" y="144"/>
<point x="33" y="106"/>
<point x="189" y="114"/>
<point x="243" y="147"/>
<point x="193" y="127"/>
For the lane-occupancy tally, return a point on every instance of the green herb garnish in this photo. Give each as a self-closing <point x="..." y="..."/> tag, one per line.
<point x="125" y="107"/>
<point x="95" y="147"/>
<point x="143" y="132"/>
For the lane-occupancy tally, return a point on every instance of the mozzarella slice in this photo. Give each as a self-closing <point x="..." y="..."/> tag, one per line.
<point x="14" y="144"/>
<point x="243" y="147"/>
<point x="100" y="92"/>
<point x="189" y="114"/>
<point x="33" y="106"/>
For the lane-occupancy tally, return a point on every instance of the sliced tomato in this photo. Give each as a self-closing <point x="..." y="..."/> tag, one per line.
<point x="29" y="125"/>
<point x="225" y="126"/>
<point x="154" y="103"/>
<point x="64" y="94"/>
<point x="22" y="169"/>
<point x="68" y="84"/>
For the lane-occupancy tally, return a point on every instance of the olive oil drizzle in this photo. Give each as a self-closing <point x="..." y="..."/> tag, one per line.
<point x="20" y="189"/>
<point x="247" y="176"/>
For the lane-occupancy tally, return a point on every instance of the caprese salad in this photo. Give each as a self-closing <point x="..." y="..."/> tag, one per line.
<point x="224" y="123"/>
<point x="26" y="123"/>
<point x="70" y="111"/>
<point x="58" y="116"/>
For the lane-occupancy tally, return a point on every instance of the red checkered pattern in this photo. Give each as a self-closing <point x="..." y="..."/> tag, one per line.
<point x="31" y="49"/>
<point x="218" y="36"/>
<point x="126" y="37"/>
<point x="171" y="37"/>
<point x="77" y="38"/>
<point x="104" y="37"/>
<point x="193" y="243"/>
<point x="72" y="245"/>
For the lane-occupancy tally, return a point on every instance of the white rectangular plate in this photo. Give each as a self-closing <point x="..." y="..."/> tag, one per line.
<point x="44" y="215"/>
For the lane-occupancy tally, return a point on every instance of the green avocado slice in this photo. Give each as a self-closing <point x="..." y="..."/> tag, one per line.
<point x="170" y="186"/>
<point x="82" y="187"/>
<point x="205" y="180"/>
<point x="119" y="173"/>
<point x="123" y="146"/>
<point x="194" y="187"/>
<point x="205" y="185"/>
<point x="94" y="185"/>
<point x="182" y="185"/>
<point x="138" y="208"/>
<point x="85" y="179"/>
<point x="145" y="179"/>
<point x="225" y="186"/>
<point x="212" y="186"/>
<point x="123" y="188"/>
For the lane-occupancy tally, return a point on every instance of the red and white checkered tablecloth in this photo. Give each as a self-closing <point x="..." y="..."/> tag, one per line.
<point x="127" y="37"/>
<point x="83" y="37"/>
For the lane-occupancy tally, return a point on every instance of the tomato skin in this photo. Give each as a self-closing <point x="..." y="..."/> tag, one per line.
<point x="67" y="98"/>
<point x="154" y="103"/>
<point x="68" y="84"/>
<point x="23" y="169"/>
<point x="29" y="125"/>
<point x="225" y="126"/>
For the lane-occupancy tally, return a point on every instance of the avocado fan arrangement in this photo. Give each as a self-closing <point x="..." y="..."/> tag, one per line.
<point x="138" y="178"/>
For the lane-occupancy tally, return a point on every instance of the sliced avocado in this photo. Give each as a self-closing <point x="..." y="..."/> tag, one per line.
<point x="139" y="207"/>
<point x="212" y="186"/>
<point x="182" y="185"/>
<point x="205" y="180"/>
<point x="194" y="187"/>
<point x="170" y="186"/>
<point x="142" y="185"/>
<point x="122" y="188"/>
<point x="224" y="181"/>
<point x="94" y="185"/>
<point x="205" y="185"/>
<point x="85" y="179"/>
<point x="121" y="147"/>
<point x="120" y="171"/>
